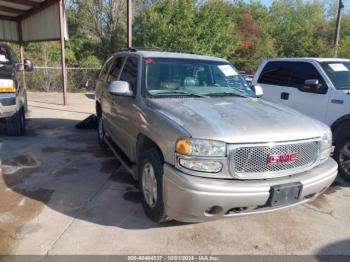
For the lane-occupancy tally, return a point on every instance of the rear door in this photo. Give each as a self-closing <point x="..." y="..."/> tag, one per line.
<point x="274" y="78"/>
<point x="108" y="99"/>
<point x="125" y="115"/>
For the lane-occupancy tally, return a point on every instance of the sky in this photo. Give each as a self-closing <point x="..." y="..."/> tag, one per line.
<point x="268" y="2"/>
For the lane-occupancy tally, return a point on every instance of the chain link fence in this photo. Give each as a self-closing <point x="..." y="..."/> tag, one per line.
<point x="49" y="79"/>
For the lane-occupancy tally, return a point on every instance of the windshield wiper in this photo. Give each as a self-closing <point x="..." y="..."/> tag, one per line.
<point x="180" y="92"/>
<point x="344" y="87"/>
<point x="227" y="93"/>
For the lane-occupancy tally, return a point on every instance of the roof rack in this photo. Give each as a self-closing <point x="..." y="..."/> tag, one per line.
<point x="158" y="49"/>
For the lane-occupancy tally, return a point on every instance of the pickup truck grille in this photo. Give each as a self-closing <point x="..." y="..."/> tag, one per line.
<point x="273" y="160"/>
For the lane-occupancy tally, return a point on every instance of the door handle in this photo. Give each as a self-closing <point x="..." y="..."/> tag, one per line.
<point x="285" y="96"/>
<point x="337" y="101"/>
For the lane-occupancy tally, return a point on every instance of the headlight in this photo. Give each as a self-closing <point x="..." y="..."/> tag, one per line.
<point x="326" y="145"/>
<point x="7" y="86"/>
<point x="198" y="147"/>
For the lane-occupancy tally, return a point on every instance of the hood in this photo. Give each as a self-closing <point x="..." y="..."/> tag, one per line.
<point x="238" y="120"/>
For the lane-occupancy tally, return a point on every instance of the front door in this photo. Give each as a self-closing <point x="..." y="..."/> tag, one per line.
<point x="283" y="83"/>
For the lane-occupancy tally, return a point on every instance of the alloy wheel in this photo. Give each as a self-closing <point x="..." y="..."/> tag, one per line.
<point x="149" y="185"/>
<point x="344" y="158"/>
<point x="100" y="129"/>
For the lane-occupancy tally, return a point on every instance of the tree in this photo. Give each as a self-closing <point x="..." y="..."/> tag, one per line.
<point x="186" y="25"/>
<point x="104" y="20"/>
<point x="255" y="42"/>
<point x="299" y="29"/>
<point x="344" y="50"/>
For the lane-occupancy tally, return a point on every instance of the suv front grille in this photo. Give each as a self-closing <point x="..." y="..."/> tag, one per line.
<point x="254" y="161"/>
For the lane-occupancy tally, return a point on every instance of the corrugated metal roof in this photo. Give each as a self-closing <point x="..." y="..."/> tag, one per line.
<point x="8" y="31"/>
<point x="29" y="20"/>
<point x="42" y="26"/>
<point x="15" y="9"/>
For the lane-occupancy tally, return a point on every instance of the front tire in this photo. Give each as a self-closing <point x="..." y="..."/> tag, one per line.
<point x="16" y="124"/>
<point x="101" y="134"/>
<point x="151" y="185"/>
<point x="342" y="156"/>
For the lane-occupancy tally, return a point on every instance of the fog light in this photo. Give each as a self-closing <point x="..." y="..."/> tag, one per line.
<point x="214" y="210"/>
<point x="201" y="166"/>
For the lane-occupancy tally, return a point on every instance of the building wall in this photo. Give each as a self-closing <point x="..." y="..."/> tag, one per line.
<point x="8" y="31"/>
<point x="44" y="25"/>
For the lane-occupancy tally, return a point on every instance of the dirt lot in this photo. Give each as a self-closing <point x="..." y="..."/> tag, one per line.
<point x="61" y="194"/>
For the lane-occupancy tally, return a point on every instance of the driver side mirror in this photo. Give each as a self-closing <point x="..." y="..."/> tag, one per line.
<point x="120" y="88"/>
<point x="258" y="90"/>
<point x="311" y="85"/>
<point x="28" y="65"/>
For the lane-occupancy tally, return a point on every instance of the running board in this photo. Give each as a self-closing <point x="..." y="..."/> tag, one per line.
<point x="124" y="160"/>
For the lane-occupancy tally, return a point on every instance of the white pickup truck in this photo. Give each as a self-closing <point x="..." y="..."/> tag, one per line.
<point x="318" y="87"/>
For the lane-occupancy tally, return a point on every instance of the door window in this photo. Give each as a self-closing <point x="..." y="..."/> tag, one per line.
<point x="115" y="69"/>
<point x="291" y="74"/>
<point x="129" y="73"/>
<point x="302" y="71"/>
<point x="105" y="70"/>
<point x="275" y="73"/>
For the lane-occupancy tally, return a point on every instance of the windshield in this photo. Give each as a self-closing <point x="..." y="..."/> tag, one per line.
<point x="339" y="73"/>
<point x="199" y="78"/>
<point x="4" y="56"/>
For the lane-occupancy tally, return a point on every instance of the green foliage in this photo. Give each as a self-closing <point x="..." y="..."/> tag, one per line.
<point x="241" y="31"/>
<point x="183" y="25"/>
<point x="298" y="27"/>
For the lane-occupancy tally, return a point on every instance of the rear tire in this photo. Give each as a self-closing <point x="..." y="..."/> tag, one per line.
<point x="16" y="124"/>
<point x="150" y="173"/>
<point x="101" y="134"/>
<point x="342" y="156"/>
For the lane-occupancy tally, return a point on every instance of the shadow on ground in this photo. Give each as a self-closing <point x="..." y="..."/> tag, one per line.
<point x="335" y="249"/>
<point x="65" y="169"/>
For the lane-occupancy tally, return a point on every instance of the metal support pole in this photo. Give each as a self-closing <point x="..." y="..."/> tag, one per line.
<point x="63" y="53"/>
<point x="338" y="26"/>
<point x="21" y="55"/>
<point x="129" y="23"/>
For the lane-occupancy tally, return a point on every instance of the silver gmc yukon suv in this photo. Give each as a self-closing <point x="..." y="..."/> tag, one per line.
<point x="201" y="143"/>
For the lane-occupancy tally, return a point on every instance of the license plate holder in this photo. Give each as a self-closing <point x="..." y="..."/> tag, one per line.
<point x="285" y="194"/>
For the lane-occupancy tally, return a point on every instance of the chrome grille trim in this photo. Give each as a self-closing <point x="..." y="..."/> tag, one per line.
<point x="249" y="161"/>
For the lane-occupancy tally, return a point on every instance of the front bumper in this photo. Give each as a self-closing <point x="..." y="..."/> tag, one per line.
<point x="8" y="105"/>
<point x="187" y="198"/>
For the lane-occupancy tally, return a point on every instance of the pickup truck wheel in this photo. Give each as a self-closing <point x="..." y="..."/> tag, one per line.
<point x="101" y="132"/>
<point x="151" y="185"/>
<point x="16" y="124"/>
<point x="342" y="156"/>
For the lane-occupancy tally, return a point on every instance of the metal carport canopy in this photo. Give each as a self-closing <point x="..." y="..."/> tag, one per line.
<point x="24" y="21"/>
